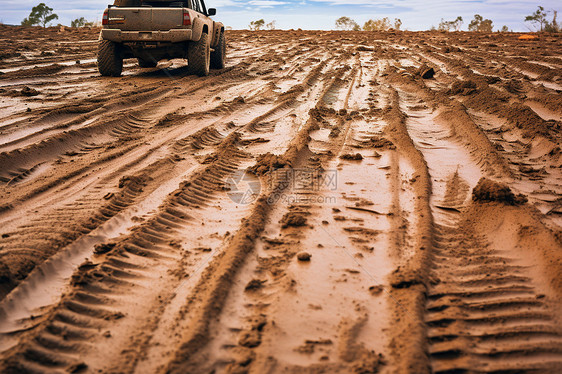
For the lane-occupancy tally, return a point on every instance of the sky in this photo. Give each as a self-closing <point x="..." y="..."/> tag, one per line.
<point x="317" y="14"/>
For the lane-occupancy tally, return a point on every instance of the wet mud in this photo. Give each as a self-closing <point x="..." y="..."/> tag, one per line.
<point x="329" y="202"/>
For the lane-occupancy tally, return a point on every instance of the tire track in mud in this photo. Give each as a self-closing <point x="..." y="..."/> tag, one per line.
<point x="150" y="124"/>
<point x="212" y="291"/>
<point x="261" y="314"/>
<point x="483" y="313"/>
<point x="99" y="287"/>
<point x="517" y="133"/>
<point x="197" y="139"/>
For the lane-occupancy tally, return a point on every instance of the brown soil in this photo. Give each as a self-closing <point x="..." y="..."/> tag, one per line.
<point x="487" y="190"/>
<point x="329" y="202"/>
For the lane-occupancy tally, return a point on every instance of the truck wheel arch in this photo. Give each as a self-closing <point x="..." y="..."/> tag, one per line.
<point x="198" y="28"/>
<point x="216" y="35"/>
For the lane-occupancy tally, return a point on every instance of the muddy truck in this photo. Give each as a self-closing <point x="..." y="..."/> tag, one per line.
<point x="160" y="29"/>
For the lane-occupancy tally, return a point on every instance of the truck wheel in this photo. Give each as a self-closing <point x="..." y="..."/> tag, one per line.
<point x="110" y="59"/>
<point x="198" y="56"/>
<point x="219" y="54"/>
<point x="147" y="63"/>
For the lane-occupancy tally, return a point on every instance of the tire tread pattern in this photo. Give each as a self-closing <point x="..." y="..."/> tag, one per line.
<point x="197" y="56"/>
<point x="110" y="61"/>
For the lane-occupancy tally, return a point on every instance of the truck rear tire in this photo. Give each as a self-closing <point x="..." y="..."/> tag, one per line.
<point x="219" y="54"/>
<point x="110" y="59"/>
<point x="147" y="63"/>
<point x="198" y="56"/>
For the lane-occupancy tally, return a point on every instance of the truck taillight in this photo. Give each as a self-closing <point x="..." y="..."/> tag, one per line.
<point x="186" y="18"/>
<point x="105" y="18"/>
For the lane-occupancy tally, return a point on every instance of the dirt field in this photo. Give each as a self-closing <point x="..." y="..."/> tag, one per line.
<point x="331" y="202"/>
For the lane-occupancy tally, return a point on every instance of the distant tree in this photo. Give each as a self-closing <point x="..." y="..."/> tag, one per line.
<point x="270" y="25"/>
<point x="78" y="22"/>
<point x="40" y="14"/>
<point x="377" y="25"/>
<point x="30" y="21"/>
<point x="458" y="23"/>
<point x="257" y="25"/>
<point x="346" y="23"/>
<point x="480" y="24"/>
<point x="451" y="25"/>
<point x="444" y="25"/>
<point x="397" y="23"/>
<point x="505" y="28"/>
<point x="539" y="17"/>
<point x="553" y="26"/>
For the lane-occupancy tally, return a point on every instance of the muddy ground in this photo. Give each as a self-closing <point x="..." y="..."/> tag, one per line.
<point x="329" y="202"/>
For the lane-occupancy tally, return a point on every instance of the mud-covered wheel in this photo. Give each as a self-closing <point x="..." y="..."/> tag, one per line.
<point x="199" y="56"/>
<point x="147" y="63"/>
<point x="218" y="56"/>
<point x="110" y="59"/>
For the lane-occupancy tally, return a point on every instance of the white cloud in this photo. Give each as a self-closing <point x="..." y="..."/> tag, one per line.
<point x="266" y="3"/>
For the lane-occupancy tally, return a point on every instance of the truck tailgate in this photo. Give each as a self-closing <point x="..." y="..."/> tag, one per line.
<point x="145" y="18"/>
<point x="167" y="18"/>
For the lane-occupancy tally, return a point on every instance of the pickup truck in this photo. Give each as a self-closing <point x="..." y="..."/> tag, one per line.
<point x="160" y="29"/>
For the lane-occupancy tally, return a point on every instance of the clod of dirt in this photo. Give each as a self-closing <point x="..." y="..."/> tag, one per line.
<point x="355" y="157"/>
<point x="27" y="91"/>
<point x="380" y="142"/>
<point x="487" y="190"/>
<point x="304" y="256"/>
<point x="406" y="277"/>
<point x="254" y="284"/>
<point x="306" y="349"/>
<point x="132" y="181"/>
<point x="293" y="219"/>
<point x="426" y="72"/>
<point x="250" y="339"/>
<point x="376" y="290"/>
<point x="268" y="162"/>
